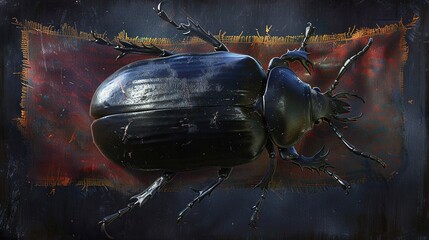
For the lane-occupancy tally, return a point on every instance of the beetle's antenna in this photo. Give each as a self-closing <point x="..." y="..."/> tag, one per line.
<point x="353" y="148"/>
<point x="343" y="183"/>
<point x="346" y="65"/>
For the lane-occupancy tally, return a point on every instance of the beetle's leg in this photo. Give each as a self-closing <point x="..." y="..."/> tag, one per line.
<point x="192" y="28"/>
<point x="265" y="181"/>
<point x="299" y="54"/>
<point x="140" y="199"/>
<point x="126" y="47"/>
<point x="257" y="208"/>
<point x="222" y="175"/>
<point x="315" y="163"/>
<point x="264" y="184"/>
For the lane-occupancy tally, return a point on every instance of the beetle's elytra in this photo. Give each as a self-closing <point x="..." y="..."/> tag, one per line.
<point x="188" y="111"/>
<point x="182" y="112"/>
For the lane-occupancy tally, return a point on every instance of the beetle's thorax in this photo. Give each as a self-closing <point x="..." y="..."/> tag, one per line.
<point x="287" y="106"/>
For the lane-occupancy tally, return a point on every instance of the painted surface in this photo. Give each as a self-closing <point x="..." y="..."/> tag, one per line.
<point x="56" y="184"/>
<point x="64" y="69"/>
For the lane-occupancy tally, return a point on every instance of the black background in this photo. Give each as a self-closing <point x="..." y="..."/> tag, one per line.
<point x="398" y="208"/>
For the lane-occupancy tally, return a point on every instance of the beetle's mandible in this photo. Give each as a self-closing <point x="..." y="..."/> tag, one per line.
<point x="189" y="111"/>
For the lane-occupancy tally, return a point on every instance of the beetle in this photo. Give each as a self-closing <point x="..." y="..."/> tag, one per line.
<point x="182" y="112"/>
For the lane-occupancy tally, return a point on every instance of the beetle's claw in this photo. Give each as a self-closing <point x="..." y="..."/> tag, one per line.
<point x="158" y="7"/>
<point x="103" y="229"/>
<point x="163" y="15"/>
<point x="347" y="119"/>
<point x="307" y="65"/>
<point x="315" y="163"/>
<point x="321" y="153"/>
<point x="347" y="95"/>
<point x="298" y="55"/>
<point x="253" y="222"/>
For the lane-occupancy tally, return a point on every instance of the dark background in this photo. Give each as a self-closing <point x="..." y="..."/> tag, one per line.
<point x="398" y="208"/>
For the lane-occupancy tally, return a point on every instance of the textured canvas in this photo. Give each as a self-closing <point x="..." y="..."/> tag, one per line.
<point x="55" y="184"/>
<point x="63" y="68"/>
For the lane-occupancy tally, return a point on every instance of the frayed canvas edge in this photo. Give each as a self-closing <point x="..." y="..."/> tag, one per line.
<point x="66" y="30"/>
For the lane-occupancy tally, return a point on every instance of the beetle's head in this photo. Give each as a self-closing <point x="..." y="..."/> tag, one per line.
<point x="328" y="106"/>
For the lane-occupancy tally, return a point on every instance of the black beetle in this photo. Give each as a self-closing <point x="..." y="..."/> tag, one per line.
<point x="188" y="111"/>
